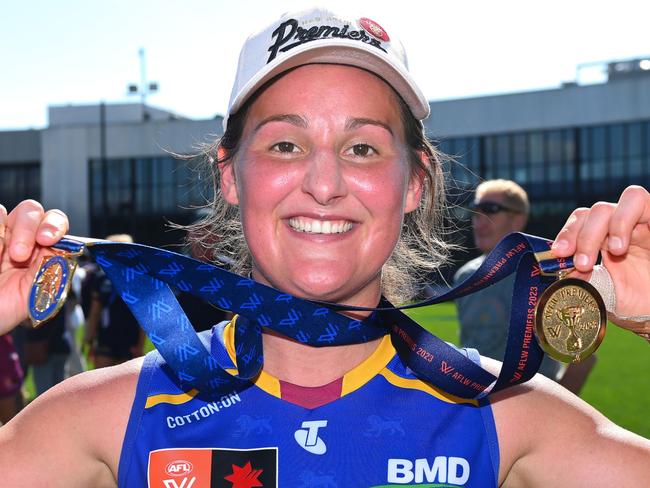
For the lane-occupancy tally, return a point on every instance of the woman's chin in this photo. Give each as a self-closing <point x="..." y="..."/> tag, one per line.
<point x="330" y="283"/>
<point x="340" y="289"/>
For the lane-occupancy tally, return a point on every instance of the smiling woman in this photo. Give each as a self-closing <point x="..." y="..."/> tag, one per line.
<point x="321" y="168"/>
<point x="327" y="189"/>
<point x="420" y="248"/>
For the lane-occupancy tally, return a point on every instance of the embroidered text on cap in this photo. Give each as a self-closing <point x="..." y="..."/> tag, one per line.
<point x="289" y="35"/>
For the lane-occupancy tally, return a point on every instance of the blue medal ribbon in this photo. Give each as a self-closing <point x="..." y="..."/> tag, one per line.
<point x="143" y="276"/>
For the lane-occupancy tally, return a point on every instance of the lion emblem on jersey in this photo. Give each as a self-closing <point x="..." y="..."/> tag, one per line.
<point x="248" y="425"/>
<point x="382" y="425"/>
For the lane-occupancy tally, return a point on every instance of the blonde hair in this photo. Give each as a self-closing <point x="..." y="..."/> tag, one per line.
<point x="419" y="252"/>
<point x="514" y="195"/>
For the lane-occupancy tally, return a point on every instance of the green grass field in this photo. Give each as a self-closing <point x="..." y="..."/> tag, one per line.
<point x="619" y="385"/>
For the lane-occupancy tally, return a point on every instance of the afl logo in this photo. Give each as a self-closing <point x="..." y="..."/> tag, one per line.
<point x="374" y="29"/>
<point x="179" y="468"/>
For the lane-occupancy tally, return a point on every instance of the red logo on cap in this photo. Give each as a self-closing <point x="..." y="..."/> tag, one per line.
<point x="374" y="29"/>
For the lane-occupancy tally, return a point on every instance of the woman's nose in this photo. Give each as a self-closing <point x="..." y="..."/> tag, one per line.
<point x="324" y="177"/>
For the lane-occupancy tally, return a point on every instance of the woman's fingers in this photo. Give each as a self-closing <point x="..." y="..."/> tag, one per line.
<point x="23" y="221"/>
<point x="3" y="227"/>
<point x="30" y="225"/>
<point x="592" y="234"/>
<point x="565" y="242"/>
<point x="633" y="208"/>
<point x="605" y="226"/>
<point x="52" y="228"/>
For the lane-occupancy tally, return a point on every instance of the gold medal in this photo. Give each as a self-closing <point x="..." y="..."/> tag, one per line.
<point x="570" y="320"/>
<point x="50" y="287"/>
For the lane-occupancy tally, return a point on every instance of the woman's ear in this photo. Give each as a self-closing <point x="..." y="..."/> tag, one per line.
<point x="415" y="185"/>
<point x="227" y="174"/>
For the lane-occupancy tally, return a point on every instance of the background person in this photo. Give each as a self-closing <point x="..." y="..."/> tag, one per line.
<point x="499" y="208"/>
<point x="74" y="321"/>
<point x="112" y="333"/>
<point x="47" y="349"/>
<point x="11" y="380"/>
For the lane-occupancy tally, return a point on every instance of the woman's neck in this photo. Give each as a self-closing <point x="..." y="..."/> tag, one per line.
<point x="303" y="365"/>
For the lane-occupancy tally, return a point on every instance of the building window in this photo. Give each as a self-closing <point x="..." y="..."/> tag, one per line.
<point x="19" y="182"/>
<point x="489" y="167"/>
<point x="463" y="166"/>
<point x="520" y="159"/>
<point x="616" y="157"/>
<point x="140" y="195"/>
<point x="560" y="168"/>
<point x="503" y="156"/>
<point x="636" y="147"/>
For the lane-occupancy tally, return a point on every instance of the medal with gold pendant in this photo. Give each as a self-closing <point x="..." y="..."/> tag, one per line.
<point x="50" y="287"/>
<point x="570" y="320"/>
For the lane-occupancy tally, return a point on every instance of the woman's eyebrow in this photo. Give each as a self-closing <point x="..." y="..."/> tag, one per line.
<point x="356" y="122"/>
<point x="293" y="119"/>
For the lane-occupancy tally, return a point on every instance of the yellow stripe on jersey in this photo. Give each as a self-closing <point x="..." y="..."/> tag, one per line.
<point x="415" y="384"/>
<point x="264" y="380"/>
<point x="177" y="399"/>
<point x="180" y="398"/>
<point x="375" y="364"/>
<point x="352" y="380"/>
<point x="368" y="369"/>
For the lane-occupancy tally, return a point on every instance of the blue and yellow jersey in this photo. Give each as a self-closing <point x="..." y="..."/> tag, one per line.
<point x="387" y="428"/>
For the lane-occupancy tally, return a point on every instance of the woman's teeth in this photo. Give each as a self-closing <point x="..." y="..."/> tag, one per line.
<point x="312" y="226"/>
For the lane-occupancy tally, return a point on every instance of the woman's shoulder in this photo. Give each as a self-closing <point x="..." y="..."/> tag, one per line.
<point x="539" y="399"/>
<point x="540" y="421"/>
<point x="83" y="418"/>
<point x="468" y="268"/>
<point x="99" y="399"/>
<point x="116" y="382"/>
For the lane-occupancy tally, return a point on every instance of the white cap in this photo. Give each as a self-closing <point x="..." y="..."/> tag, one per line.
<point x="319" y="35"/>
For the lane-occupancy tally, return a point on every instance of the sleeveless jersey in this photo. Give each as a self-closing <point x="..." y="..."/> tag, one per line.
<point x="387" y="429"/>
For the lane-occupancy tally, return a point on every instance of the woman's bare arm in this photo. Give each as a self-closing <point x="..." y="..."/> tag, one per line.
<point x="72" y="435"/>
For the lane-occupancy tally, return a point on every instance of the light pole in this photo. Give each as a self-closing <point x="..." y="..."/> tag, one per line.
<point x="145" y="87"/>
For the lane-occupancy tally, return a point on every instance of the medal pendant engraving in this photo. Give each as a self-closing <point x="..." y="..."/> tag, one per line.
<point x="570" y="320"/>
<point x="50" y="288"/>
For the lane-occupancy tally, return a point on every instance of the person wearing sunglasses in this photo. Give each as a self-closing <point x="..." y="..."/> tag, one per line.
<point x="499" y="208"/>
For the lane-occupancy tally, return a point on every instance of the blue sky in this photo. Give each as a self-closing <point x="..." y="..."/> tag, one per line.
<point x="73" y="52"/>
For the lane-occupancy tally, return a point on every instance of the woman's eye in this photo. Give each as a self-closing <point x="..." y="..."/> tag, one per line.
<point x="285" y="147"/>
<point x="362" y="150"/>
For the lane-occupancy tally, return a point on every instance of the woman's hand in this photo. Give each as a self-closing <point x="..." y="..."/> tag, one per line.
<point x="621" y="233"/>
<point x="26" y="233"/>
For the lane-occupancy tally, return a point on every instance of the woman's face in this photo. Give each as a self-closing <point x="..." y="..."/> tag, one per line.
<point x="322" y="181"/>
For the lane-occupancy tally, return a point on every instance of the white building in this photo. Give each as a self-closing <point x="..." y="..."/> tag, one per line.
<point x="111" y="168"/>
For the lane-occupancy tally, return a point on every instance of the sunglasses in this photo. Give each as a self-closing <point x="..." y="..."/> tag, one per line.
<point x="490" y="208"/>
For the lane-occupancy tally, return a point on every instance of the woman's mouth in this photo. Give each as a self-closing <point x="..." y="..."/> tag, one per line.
<point x="315" y="226"/>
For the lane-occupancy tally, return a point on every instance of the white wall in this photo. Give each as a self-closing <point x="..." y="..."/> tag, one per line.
<point x="20" y="146"/>
<point x="619" y="101"/>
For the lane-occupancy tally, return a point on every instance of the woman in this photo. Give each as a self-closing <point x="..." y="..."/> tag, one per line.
<point x="321" y="163"/>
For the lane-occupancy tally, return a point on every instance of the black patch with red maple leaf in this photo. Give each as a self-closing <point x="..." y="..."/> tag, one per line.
<point x="244" y="469"/>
